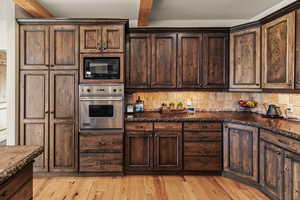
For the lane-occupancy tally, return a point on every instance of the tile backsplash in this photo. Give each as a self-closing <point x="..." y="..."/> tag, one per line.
<point x="219" y="101"/>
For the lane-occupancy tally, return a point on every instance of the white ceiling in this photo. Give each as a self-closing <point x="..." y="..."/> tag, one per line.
<point x="170" y="13"/>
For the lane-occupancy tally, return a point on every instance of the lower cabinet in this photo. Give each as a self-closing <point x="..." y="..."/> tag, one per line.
<point x="291" y="176"/>
<point x="158" y="149"/>
<point x="271" y="169"/>
<point x="101" y="152"/>
<point x="241" y="151"/>
<point x="48" y="117"/>
<point x="202" y="146"/>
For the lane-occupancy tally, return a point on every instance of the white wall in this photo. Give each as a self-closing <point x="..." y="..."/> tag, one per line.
<point x="7" y="42"/>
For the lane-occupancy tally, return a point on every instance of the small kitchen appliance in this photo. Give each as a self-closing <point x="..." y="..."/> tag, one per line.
<point x="273" y="111"/>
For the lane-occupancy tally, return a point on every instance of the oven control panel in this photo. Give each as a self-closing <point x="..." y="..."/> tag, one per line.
<point x="101" y="90"/>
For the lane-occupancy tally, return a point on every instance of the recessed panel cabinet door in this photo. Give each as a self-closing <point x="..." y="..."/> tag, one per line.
<point x="189" y="60"/>
<point x="34" y="47"/>
<point x="90" y="39"/>
<point x="64" y="47"/>
<point x="63" y="121"/>
<point x="163" y="72"/>
<point x="271" y="169"/>
<point x="241" y="151"/>
<point x="113" y="38"/>
<point x="278" y="50"/>
<point x="215" y="66"/>
<point x="34" y="113"/>
<point x="168" y="151"/>
<point x="139" y="150"/>
<point x="291" y="176"/>
<point x="138" y="61"/>
<point x="297" y="55"/>
<point x="245" y="59"/>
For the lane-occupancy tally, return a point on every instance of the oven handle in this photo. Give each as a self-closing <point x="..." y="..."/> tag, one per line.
<point x="101" y="99"/>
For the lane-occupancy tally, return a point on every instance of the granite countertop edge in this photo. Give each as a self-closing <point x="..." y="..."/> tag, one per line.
<point x="203" y="119"/>
<point x="10" y="172"/>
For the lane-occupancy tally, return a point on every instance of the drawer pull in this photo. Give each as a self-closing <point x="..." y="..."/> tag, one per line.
<point x="101" y="143"/>
<point x="284" y="142"/>
<point x="278" y="152"/>
<point x="139" y="127"/>
<point x="204" y="126"/>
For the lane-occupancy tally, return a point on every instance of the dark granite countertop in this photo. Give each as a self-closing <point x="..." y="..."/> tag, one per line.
<point x="281" y="126"/>
<point x="15" y="158"/>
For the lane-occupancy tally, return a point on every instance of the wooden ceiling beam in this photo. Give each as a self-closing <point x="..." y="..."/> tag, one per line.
<point x="34" y="8"/>
<point x="144" y="12"/>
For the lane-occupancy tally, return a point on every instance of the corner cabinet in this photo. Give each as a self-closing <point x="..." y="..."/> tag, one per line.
<point x="241" y="151"/>
<point x="245" y="64"/>
<point x="278" y="53"/>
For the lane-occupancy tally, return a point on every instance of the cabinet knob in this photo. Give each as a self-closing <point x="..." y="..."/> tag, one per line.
<point x="46" y="112"/>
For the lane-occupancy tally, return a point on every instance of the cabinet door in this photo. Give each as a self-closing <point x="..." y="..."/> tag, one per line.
<point x="139" y="150"/>
<point x="163" y="72"/>
<point x="278" y="46"/>
<point x="138" y="61"/>
<point x="297" y="55"/>
<point x="189" y="60"/>
<point x="90" y="39"/>
<point x="64" y="47"/>
<point x="113" y="38"/>
<point x="63" y="121"/>
<point x="168" y="151"/>
<point x="271" y="169"/>
<point x="291" y="176"/>
<point x="34" y="113"/>
<point x="34" y="47"/>
<point x="215" y="67"/>
<point x="241" y="151"/>
<point x="245" y="59"/>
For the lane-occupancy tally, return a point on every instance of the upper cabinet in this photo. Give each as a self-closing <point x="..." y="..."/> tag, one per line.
<point x="245" y="65"/>
<point x="102" y="38"/>
<point x="190" y="60"/>
<point x="278" y="50"/>
<point x="34" y="47"/>
<point x="297" y="55"/>
<point x="138" y="60"/>
<point x="215" y="73"/>
<point x="163" y="70"/>
<point x="44" y="47"/>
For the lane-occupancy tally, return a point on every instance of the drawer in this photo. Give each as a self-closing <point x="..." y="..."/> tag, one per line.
<point x="202" y="136"/>
<point x="199" y="163"/>
<point x="101" y="162"/>
<point x="203" y="148"/>
<point x="139" y="126"/>
<point x="101" y="143"/>
<point x="202" y="126"/>
<point x="285" y="142"/>
<point x="168" y="126"/>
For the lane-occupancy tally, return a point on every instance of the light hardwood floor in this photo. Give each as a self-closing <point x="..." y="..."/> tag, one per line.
<point x="143" y="188"/>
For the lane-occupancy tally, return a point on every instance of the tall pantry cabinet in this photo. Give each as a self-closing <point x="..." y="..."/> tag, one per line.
<point x="49" y="94"/>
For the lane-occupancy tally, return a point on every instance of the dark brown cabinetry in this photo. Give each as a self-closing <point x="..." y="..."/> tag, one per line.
<point x="278" y="51"/>
<point x="245" y="64"/>
<point x="240" y="144"/>
<point x="215" y="61"/>
<point x="297" y="52"/>
<point x="157" y="149"/>
<point x="63" y="121"/>
<point x="44" y="47"/>
<point x="163" y="67"/>
<point x="271" y="169"/>
<point x="138" y="61"/>
<point x="34" y="113"/>
<point x="101" y="152"/>
<point x="190" y="60"/>
<point x="102" y="39"/>
<point x="202" y="146"/>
